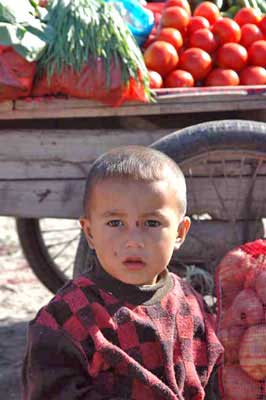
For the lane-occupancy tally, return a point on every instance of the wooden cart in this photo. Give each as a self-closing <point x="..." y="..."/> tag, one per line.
<point x="48" y="144"/>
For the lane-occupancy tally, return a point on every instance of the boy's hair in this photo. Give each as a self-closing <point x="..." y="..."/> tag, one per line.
<point x="136" y="163"/>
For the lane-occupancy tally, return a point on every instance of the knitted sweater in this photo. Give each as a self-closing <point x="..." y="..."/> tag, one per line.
<point x="100" y="339"/>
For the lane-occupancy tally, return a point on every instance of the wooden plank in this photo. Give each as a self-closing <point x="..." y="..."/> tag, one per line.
<point x="70" y="145"/>
<point x="29" y="154"/>
<point x="184" y="103"/>
<point x="22" y="170"/>
<point x="46" y="198"/>
<point x="67" y="169"/>
<point x="51" y="104"/>
<point x="222" y="199"/>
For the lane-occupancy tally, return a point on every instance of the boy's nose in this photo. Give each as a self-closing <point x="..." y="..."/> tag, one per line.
<point x="134" y="238"/>
<point x="133" y="243"/>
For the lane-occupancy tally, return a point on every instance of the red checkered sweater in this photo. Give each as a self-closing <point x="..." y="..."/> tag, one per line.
<point x="101" y="339"/>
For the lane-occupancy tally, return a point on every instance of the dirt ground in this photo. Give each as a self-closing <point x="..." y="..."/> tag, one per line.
<point x="21" y="296"/>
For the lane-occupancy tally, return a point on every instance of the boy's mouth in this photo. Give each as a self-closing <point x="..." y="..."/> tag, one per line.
<point x="134" y="263"/>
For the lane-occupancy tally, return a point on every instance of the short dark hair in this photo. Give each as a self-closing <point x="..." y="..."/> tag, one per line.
<point x="136" y="163"/>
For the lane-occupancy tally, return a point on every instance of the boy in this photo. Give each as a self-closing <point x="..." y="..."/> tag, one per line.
<point x="127" y="329"/>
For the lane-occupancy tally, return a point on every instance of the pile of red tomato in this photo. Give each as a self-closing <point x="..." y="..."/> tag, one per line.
<point x="206" y="49"/>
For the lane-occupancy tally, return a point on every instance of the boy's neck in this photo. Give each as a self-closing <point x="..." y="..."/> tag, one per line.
<point x="133" y="294"/>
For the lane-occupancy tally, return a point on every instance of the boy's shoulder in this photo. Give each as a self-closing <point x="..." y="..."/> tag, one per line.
<point x="71" y="301"/>
<point x="183" y="287"/>
<point x="192" y="297"/>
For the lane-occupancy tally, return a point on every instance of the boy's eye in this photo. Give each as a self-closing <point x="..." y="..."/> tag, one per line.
<point x="115" y="222"/>
<point x="152" y="223"/>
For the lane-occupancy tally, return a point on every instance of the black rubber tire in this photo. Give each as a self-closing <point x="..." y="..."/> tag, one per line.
<point x="37" y="255"/>
<point x="214" y="135"/>
<point x="195" y="140"/>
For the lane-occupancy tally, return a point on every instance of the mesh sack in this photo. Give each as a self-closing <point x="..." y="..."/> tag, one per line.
<point x="16" y="74"/>
<point x="241" y="321"/>
<point x="91" y="83"/>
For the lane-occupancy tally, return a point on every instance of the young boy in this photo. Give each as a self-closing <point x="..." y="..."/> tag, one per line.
<point x="128" y="328"/>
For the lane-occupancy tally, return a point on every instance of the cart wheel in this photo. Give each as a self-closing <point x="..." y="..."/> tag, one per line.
<point x="49" y="246"/>
<point x="225" y="167"/>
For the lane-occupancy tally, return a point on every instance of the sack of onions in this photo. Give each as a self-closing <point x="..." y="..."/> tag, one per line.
<point x="241" y="321"/>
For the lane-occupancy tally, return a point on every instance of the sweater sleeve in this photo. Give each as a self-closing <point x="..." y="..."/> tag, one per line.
<point x="213" y="347"/>
<point x="54" y="368"/>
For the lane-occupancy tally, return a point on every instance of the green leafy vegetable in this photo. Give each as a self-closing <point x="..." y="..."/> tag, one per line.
<point x="85" y="28"/>
<point x="21" y="28"/>
<point x="16" y="12"/>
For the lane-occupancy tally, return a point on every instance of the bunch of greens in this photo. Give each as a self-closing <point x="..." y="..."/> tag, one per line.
<point x="21" y="27"/>
<point x="85" y="28"/>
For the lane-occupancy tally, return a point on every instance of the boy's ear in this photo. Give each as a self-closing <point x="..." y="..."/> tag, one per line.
<point x="85" y="225"/>
<point x="182" y="231"/>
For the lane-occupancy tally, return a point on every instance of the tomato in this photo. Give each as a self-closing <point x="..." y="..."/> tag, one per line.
<point x="247" y="15"/>
<point x="161" y="57"/>
<point x="204" y="39"/>
<point x="226" y="30"/>
<point x="179" y="78"/>
<point x="175" y="17"/>
<point x="253" y="75"/>
<point x="180" y="3"/>
<point x="196" y="61"/>
<point x="232" y="55"/>
<point x="196" y="23"/>
<point x="171" y="35"/>
<point x="257" y="53"/>
<point x="150" y="40"/>
<point x="156" y="80"/>
<point x="249" y="34"/>
<point x="154" y="30"/>
<point x="222" y="77"/>
<point x="207" y="10"/>
<point x="262" y="25"/>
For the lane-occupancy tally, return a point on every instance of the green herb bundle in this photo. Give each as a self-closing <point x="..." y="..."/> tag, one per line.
<point x="85" y="28"/>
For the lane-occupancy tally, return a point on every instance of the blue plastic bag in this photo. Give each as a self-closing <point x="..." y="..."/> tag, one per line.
<point x="139" y="20"/>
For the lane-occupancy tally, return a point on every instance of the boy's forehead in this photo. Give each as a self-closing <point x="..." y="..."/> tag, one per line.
<point x="112" y="190"/>
<point x="112" y="184"/>
<point x="166" y="175"/>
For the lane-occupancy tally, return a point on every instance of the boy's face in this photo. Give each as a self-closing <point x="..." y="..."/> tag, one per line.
<point x="134" y="227"/>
